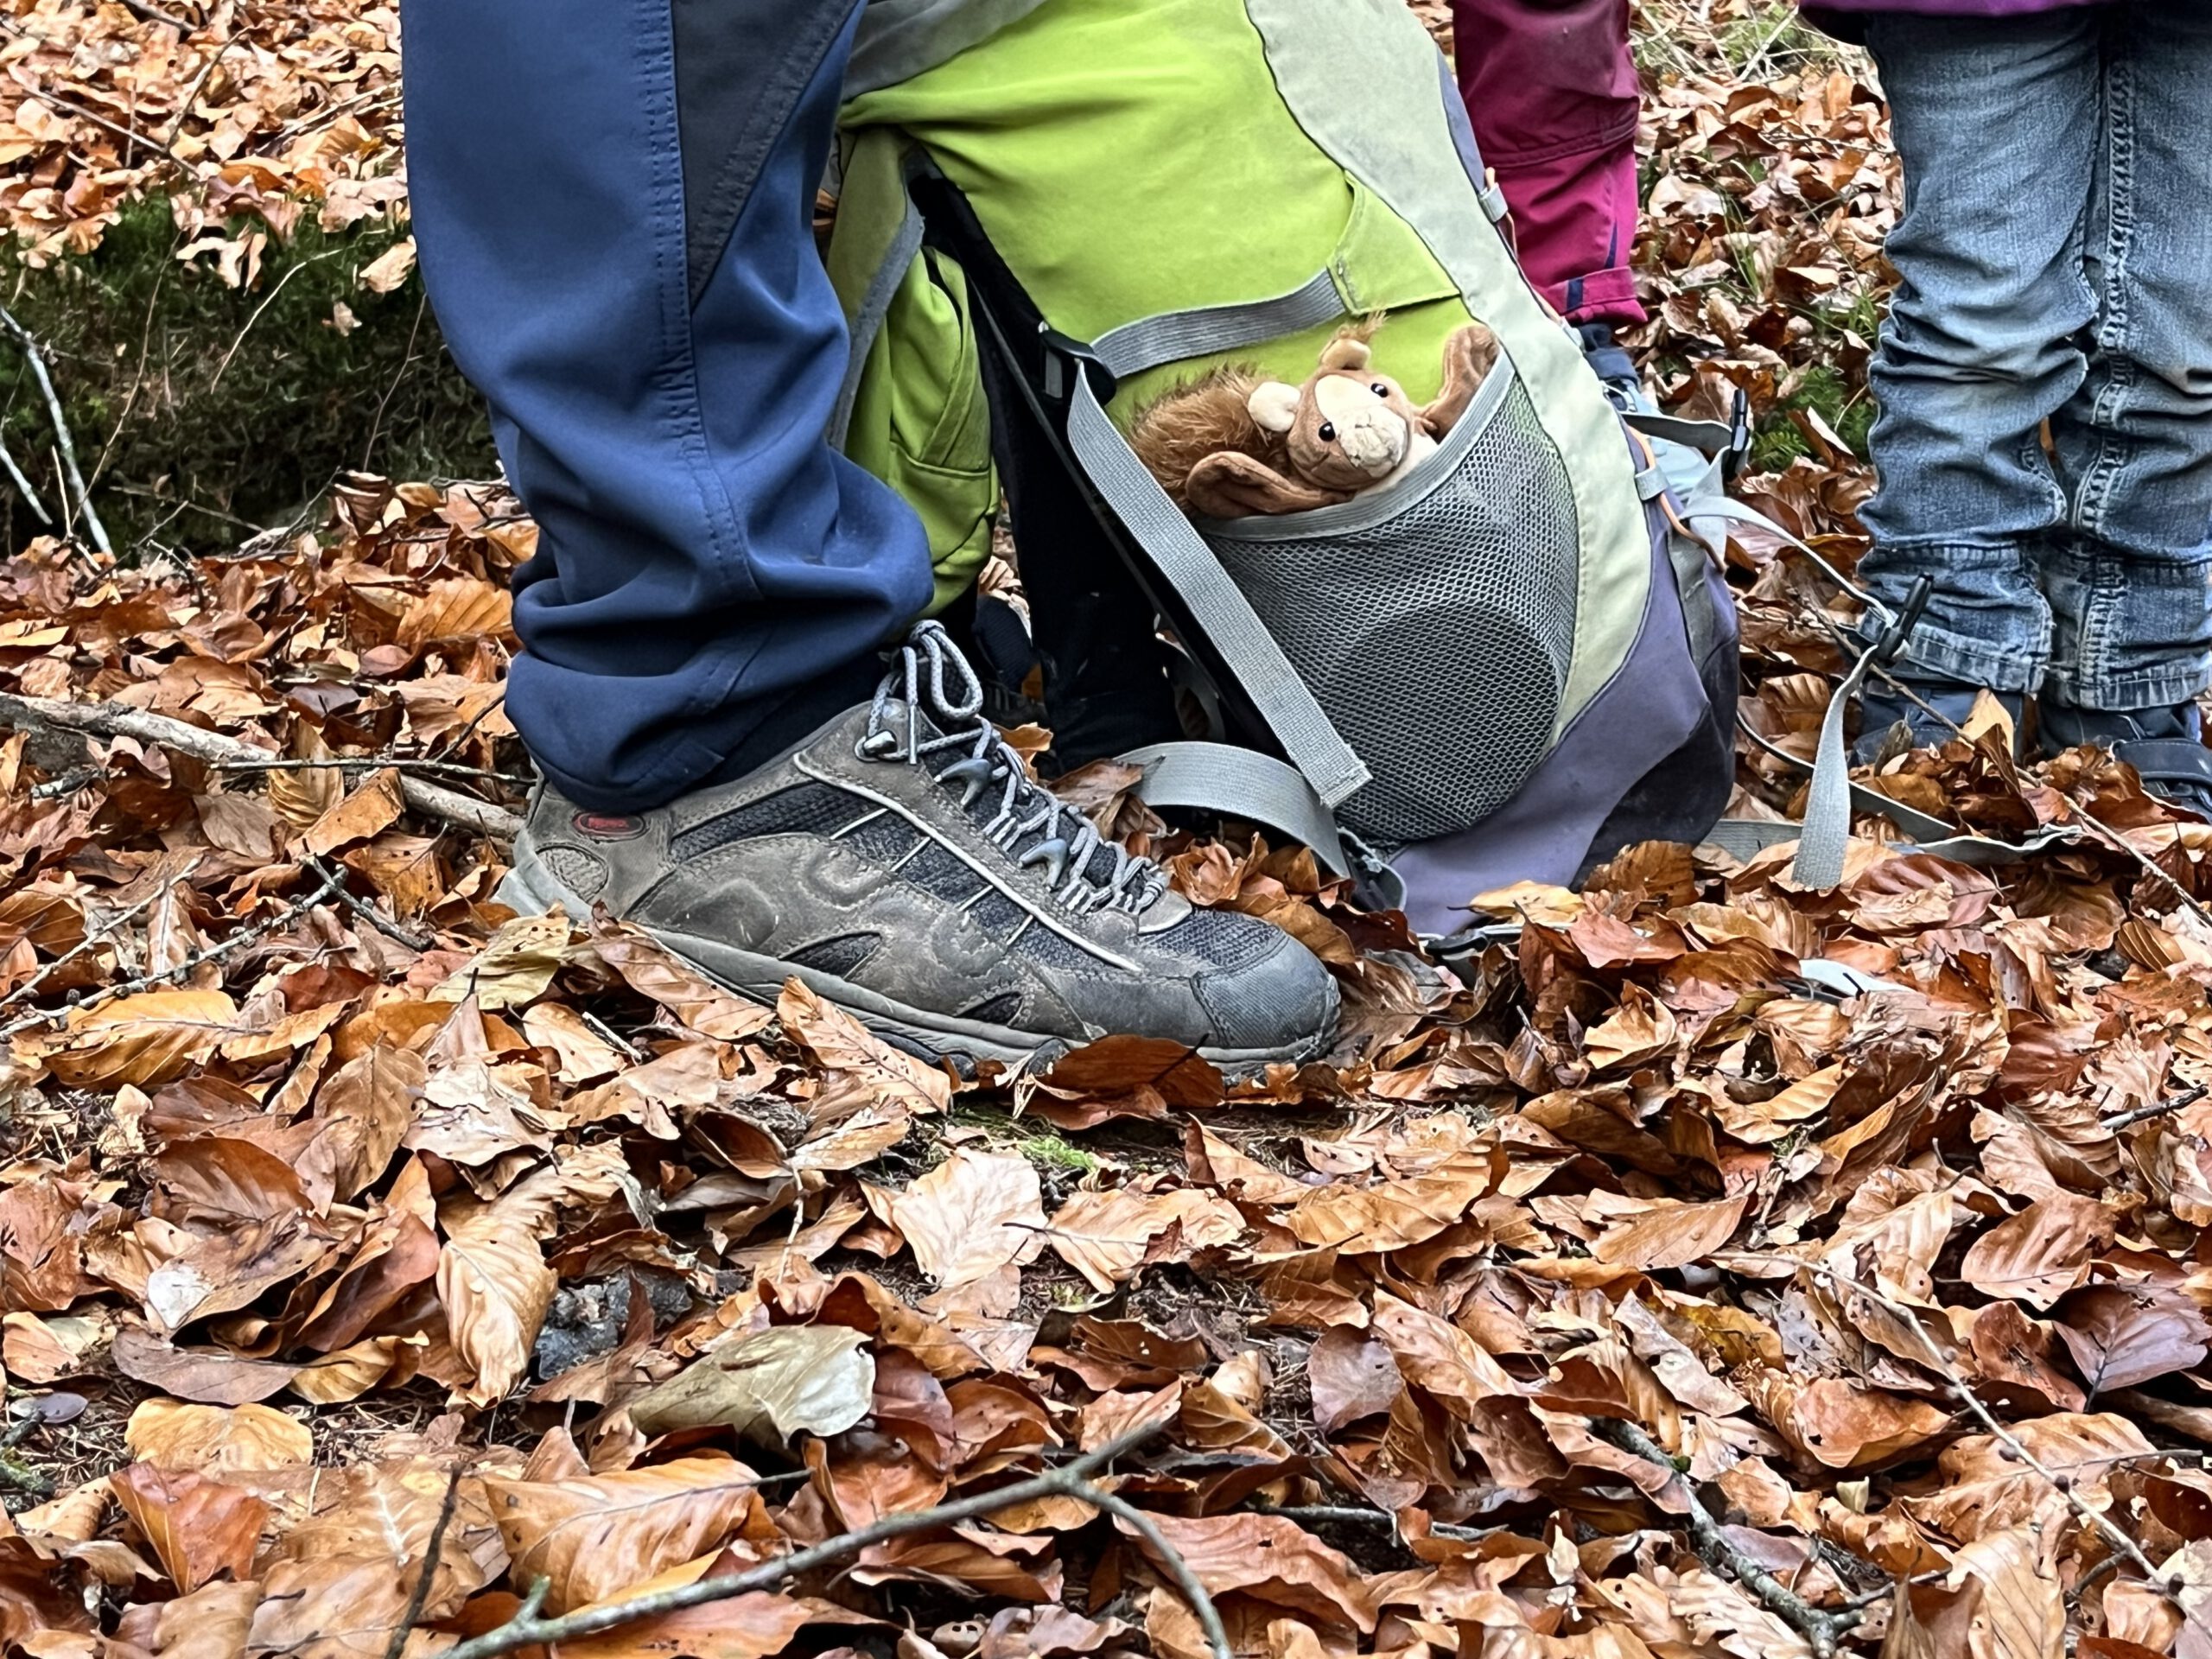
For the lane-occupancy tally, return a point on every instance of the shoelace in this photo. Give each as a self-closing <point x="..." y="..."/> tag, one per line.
<point x="1024" y="810"/>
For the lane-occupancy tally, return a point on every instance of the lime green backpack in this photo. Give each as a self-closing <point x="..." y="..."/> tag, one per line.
<point x="1509" y="664"/>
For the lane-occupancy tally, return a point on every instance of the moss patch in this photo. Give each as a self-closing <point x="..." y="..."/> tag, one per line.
<point x="203" y="412"/>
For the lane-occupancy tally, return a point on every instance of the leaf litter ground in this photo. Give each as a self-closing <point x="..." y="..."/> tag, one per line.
<point x="376" y="1266"/>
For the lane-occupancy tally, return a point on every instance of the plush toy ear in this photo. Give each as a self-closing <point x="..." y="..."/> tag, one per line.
<point x="1230" y="485"/>
<point x="1346" y="351"/>
<point x="1469" y="356"/>
<point x="1273" y="405"/>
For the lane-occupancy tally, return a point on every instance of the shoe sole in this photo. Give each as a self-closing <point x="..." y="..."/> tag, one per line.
<point x="530" y="888"/>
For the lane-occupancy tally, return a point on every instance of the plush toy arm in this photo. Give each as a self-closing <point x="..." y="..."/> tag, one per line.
<point x="1469" y="356"/>
<point x="1230" y="485"/>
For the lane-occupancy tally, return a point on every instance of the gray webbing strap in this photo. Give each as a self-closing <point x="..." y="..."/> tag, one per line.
<point x="1172" y="336"/>
<point x="1743" y="838"/>
<point x="867" y="321"/>
<point x="1235" y="631"/>
<point x="1495" y="207"/>
<point x="1221" y="777"/>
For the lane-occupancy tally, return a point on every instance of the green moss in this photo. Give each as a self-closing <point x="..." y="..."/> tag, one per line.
<point x="202" y="412"/>
<point x="1053" y="1152"/>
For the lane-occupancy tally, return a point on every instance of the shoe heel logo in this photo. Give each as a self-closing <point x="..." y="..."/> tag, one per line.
<point x="609" y="826"/>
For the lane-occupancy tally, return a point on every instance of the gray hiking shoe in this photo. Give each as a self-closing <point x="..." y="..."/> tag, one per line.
<point x="900" y="863"/>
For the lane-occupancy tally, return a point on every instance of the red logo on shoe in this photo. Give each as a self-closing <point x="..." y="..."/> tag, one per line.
<point x="609" y="826"/>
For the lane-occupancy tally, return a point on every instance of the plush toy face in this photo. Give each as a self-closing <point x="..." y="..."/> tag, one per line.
<point x="1346" y="428"/>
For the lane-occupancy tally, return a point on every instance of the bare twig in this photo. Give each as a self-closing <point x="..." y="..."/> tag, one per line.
<point x="251" y="934"/>
<point x="112" y="719"/>
<point x="1823" y="1629"/>
<point x="155" y="14"/>
<point x="23" y="487"/>
<point x="1070" y="1480"/>
<point x="431" y="1551"/>
<point x="430" y="767"/>
<point x="2159" y="1108"/>
<point x="93" y="936"/>
<point x="387" y="925"/>
<point x="636" y="1055"/>
<point x="36" y="356"/>
<point x="1939" y="1363"/>
<point x="1169" y="1560"/>
<point x="1350" y="1515"/>
<point x="184" y="109"/>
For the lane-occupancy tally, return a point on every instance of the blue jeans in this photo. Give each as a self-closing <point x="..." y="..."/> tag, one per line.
<point x="2055" y="250"/>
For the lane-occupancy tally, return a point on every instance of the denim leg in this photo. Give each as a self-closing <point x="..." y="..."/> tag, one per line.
<point x="1996" y="123"/>
<point x="614" y="201"/>
<point x="2130" y="574"/>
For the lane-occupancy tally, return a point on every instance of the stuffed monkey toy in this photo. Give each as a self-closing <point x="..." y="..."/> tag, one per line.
<point x="1347" y="431"/>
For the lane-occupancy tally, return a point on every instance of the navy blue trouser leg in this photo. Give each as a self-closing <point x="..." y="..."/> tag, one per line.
<point x="612" y="199"/>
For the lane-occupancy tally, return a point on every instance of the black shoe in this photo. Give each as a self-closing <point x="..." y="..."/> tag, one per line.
<point x="1889" y="723"/>
<point x="2165" y="746"/>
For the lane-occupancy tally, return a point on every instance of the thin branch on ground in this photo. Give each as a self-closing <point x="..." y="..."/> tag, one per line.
<point x="2156" y="1108"/>
<point x="431" y="1551"/>
<point x="1070" y="1480"/>
<point x="155" y="14"/>
<point x="184" y="109"/>
<point x="23" y="488"/>
<point x="389" y="926"/>
<point x="1168" y="1559"/>
<point x="1823" y="1629"/>
<point x="1939" y="1363"/>
<point x="231" y="943"/>
<point x="112" y="720"/>
<point x="615" y="1039"/>
<point x="36" y="355"/>
<point x="1351" y="1515"/>
<point x="433" y="768"/>
<point x="93" y="936"/>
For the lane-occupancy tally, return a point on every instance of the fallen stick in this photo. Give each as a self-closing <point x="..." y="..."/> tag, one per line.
<point x="112" y="720"/>
<point x="1071" y="1479"/>
<point x="1822" y="1630"/>
<point x="32" y="350"/>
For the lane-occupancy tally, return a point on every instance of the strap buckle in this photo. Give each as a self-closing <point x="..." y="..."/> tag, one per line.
<point x="1066" y="360"/>
<point x="1889" y="644"/>
<point x="1739" y="452"/>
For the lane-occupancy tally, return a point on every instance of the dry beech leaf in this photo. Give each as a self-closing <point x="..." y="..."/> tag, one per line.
<point x="1270" y="1558"/>
<point x="590" y="1537"/>
<point x="975" y="1214"/>
<point x="839" y="1043"/>
<point x="772" y="1384"/>
<point x="1669" y="1235"/>
<point x="143" y="1041"/>
<point x="196" y="1527"/>
<point x="214" y="1439"/>
<point x="514" y="968"/>
<point x="2039" y="1255"/>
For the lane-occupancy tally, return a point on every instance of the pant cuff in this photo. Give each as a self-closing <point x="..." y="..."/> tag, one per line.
<point x="2163" y="688"/>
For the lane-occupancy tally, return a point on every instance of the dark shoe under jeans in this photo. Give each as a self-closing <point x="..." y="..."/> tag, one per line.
<point x="1883" y="710"/>
<point x="900" y="863"/>
<point x="2165" y="746"/>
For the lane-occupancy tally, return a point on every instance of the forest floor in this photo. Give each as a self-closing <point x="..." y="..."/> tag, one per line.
<point x="1625" y="1295"/>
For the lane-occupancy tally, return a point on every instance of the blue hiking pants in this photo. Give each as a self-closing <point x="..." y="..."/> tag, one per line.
<point x="614" y="201"/>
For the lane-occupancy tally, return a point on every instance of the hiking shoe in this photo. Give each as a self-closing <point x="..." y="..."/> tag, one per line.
<point x="2165" y="746"/>
<point x="1889" y="723"/>
<point x="900" y="863"/>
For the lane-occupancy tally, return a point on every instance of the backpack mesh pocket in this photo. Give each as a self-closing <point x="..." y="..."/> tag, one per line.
<point x="1434" y="622"/>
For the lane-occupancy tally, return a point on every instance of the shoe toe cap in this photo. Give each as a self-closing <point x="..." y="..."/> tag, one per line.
<point x="1281" y="998"/>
